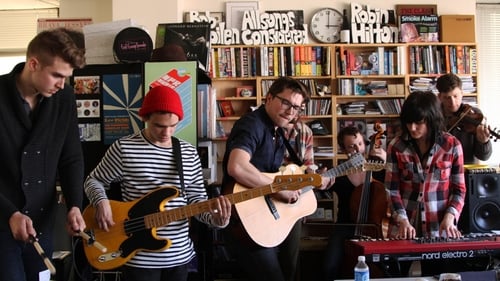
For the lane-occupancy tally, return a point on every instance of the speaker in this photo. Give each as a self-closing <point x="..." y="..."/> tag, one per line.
<point x="481" y="211"/>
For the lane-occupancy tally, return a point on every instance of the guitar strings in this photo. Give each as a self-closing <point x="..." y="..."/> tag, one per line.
<point x="160" y="218"/>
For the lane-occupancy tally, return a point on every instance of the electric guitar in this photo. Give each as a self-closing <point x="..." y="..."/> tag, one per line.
<point x="268" y="222"/>
<point x="136" y="221"/>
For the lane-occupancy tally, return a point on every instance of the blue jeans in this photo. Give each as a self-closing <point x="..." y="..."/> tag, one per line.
<point x="20" y="261"/>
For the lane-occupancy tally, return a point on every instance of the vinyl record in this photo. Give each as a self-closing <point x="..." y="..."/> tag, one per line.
<point x="361" y="125"/>
<point x="132" y="44"/>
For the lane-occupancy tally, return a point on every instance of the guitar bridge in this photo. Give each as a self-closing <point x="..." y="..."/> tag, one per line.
<point x="109" y="256"/>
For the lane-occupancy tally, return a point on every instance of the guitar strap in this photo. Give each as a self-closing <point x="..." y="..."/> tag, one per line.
<point x="291" y="151"/>
<point x="178" y="161"/>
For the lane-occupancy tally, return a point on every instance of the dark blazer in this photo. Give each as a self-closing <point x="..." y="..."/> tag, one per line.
<point x="35" y="155"/>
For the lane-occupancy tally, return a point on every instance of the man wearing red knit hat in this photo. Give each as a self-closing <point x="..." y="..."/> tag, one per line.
<point x="142" y="162"/>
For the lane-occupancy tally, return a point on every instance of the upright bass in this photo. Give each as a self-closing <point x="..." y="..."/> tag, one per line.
<point x="369" y="201"/>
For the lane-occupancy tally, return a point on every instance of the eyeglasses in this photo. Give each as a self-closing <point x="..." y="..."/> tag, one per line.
<point x="286" y="105"/>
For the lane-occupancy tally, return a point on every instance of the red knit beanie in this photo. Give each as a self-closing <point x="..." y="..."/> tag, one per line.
<point x="162" y="98"/>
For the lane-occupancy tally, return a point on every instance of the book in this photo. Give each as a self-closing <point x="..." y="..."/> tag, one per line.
<point x="226" y="108"/>
<point x="194" y="37"/>
<point x="220" y="132"/>
<point x="323" y="151"/>
<point x="362" y="62"/>
<point x="419" y="28"/>
<point x="416" y="9"/>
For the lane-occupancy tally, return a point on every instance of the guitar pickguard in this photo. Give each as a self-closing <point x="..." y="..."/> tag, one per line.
<point x="139" y="237"/>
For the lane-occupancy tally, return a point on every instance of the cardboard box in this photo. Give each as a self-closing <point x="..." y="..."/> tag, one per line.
<point x="457" y="28"/>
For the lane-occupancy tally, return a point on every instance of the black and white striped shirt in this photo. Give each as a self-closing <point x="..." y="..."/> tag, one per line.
<point x="141" y="167"/>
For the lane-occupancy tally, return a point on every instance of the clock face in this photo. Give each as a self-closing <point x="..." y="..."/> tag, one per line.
<point x="326" y="24"/>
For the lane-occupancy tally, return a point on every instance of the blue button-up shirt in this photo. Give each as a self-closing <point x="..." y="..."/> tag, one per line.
<point x="256" y="134"/>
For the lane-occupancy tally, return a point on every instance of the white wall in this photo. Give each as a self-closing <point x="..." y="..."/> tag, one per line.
<point x="98" y="10"/>
<point x="151" y="12"/>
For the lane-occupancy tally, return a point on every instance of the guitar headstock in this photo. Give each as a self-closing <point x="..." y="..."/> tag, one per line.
<point x="356" y="160"/>
<point x="294" y="182"/>
<point x="373" y="165"/>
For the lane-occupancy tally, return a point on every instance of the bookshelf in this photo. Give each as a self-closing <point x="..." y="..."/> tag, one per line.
<point x="427" y="61"/>
<point x="350" y="84"/>
<point x="379" y="83"/>
<point x="370" y="87"/>
<point x="256" y="67"/>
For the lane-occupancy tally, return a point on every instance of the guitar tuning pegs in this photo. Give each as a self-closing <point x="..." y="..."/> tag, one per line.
<point x="282" y="169"/>
<point x="314" y="167"/>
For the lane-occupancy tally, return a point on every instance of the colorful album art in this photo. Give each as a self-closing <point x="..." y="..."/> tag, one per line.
<point x="90" y="132"/>
<point x="180" y="76"/>
<point x="86" y="84"/>
<point x="122" y="98"/>
<point x="88" y="108"/>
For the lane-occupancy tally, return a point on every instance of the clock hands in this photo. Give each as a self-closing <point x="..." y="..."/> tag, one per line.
<point x="328" y="25"/>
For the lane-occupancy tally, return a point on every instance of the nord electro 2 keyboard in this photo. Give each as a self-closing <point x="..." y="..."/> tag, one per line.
<point x="469" y="246"/>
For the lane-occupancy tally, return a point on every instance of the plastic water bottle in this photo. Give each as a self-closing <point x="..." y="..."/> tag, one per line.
<point x="361" y="270"/>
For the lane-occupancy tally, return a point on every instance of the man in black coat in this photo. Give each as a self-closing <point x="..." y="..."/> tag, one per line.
<point x="39" y="146"/>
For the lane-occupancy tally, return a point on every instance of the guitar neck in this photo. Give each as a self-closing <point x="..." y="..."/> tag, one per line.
<point x="165" y="217"/>
<point x="292" y="182"/>
<point x="351" y="166"/>
<point x="339" y="171"/>
<point x="356" y="163"/>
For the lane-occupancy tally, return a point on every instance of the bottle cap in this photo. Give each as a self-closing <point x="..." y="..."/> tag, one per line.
<point x="361" y="258"/>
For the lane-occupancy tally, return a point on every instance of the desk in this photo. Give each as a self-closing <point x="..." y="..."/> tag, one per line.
<point x="490" y="275"/>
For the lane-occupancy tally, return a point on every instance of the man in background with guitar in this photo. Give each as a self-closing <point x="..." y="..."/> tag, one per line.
<point x="255" y="147"/>
<point x="141" y="163"/>
<point x="464" y="121"/>
<point x="351" y="141"/>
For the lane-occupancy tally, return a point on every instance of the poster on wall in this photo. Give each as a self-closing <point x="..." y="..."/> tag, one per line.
<point x="122" y="97"/>
<point x="180" y="76"/>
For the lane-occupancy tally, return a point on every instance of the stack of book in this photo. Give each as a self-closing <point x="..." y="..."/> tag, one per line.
<point x="423" y="84"/>
<point x="354" y="108"/>
<point x="468" y="86"/>
<point x="323" y="151"/>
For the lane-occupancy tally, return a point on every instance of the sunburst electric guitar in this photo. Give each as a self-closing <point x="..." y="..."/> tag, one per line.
<point x="268" y="222"/>
<point x="136" y="221"/>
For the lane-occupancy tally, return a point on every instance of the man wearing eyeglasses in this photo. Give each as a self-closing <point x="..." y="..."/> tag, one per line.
<point x="254" y="147"/>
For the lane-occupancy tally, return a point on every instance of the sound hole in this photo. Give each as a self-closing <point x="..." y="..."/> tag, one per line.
<point x="486" y="216"/>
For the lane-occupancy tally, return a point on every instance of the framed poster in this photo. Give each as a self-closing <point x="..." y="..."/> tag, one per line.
<point x="180" y="76"/>
<point x="122" y="99"/>
<point x="234" y="12"/>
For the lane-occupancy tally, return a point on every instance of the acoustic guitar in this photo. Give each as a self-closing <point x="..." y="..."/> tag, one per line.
<point x="136" y="221"/>
<point x="269" y="226"/>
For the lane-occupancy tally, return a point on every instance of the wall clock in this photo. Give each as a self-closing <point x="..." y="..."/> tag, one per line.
<point x="326" y="24"/>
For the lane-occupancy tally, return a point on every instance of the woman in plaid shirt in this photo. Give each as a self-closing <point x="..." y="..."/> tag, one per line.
<point x="425" y="173"/>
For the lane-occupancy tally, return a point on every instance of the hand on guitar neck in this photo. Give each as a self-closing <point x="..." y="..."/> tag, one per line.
<point x="326" y="181"/>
